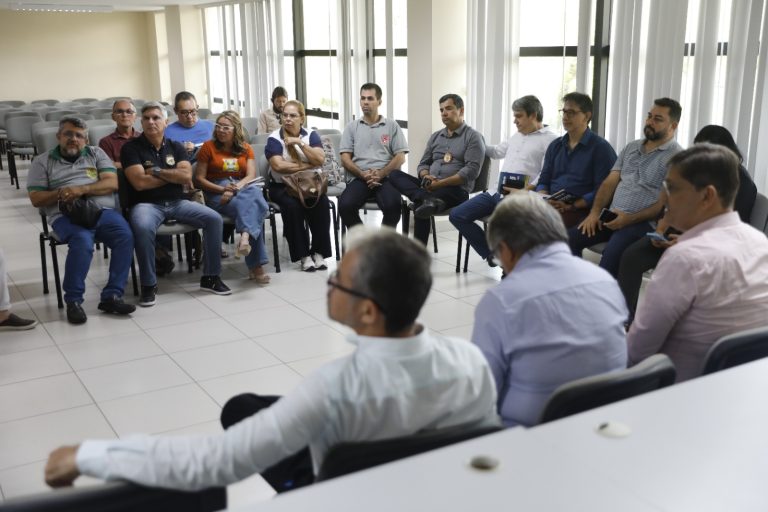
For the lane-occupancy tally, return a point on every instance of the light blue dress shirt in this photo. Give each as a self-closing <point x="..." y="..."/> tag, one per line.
<point x="553" y="319"/>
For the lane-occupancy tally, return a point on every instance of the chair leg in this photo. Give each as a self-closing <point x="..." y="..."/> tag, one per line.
<point x="273" y="223"/>
<point x="44" y="263"/>
<point x="335" y="218"/>
<point x="458" y="255"/>
<point x="434" y="233"/>
<point x="56" y="276"/>
<point x="134" y="280"/>
<point x="406" y="214"/>
<point x="188" y="249"/>
<point x="466" y="257"/>
<point x="178" y="245"/>
<point x="11" y="165"/>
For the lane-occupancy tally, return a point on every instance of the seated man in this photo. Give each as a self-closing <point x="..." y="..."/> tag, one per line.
<point x="371" y="148"/>
<point x="576" y="163"/>
<point x="401" y="379"/>
<point x="124" y="115"/>
<point x="8" y="320"/>
<point x="447" y="170"/>
<point x="68" y="172"/>
<point x="156" y="168"/>
<point x="553" y="318"/>
<point x="632" y="190"/>
<point x="523" y="153"/>
<point x="190" y="130"/>
<point x="269" y="120"/>
<point x="714" y="280"/>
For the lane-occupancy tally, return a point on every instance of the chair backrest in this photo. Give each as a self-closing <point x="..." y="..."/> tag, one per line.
<point x="12" y="103"/>
<point x="735" y="349"/>
<point x="20" y="129"/>
<point x="45" y="139"/>
<point x="345" y="458"/>
<point x="55" y="115"/>
<point x="85" y="101"/>
<point x="118" y="497"/>
<point x="204" y="113"/>
<point x="327" y="131"/>
<point x="759" y="216"/>
<point x="481" y="183"/>
<point x="259" y="138"/>
<point x="98" y="131"/>
<point x="50" y="103"/>
<point x="251" y="125"/>
<point x="43" y="125"/>
<point x="101" y="122"/>
<point x="584" y="394"/>
<point x="262" y="164"/>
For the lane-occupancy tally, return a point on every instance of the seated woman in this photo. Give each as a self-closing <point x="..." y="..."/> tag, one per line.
<point x="645" y="254"/>
<point x="225" y="169"/>
<point x="291" y="149"/>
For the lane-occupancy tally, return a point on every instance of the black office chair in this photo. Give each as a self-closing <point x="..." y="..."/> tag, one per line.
<point x="581" y="395"/>
<point x="735" y="349"/>
<point x="118" y="497"/>
<point x="345" y="458"/>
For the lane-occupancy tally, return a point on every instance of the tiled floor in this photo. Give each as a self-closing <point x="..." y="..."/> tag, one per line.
<point x="169" y="368"/>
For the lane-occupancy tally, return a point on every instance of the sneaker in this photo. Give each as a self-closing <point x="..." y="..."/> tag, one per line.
<point x="75" y="313"/>
<point x="319" y="261"/>
<point x="16" y="323"/>
<point x="307" y="265"/>
<point x="116" y="305"/>
<point x="147" y="297"/>
<point x="215" y="285"/>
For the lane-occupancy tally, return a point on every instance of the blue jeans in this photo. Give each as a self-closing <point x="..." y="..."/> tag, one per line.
<point x="465" y="215"/>
<point x="617" y="241"/>
<point x="249" y="209"/>
<point x="147" y="217"/>
<point x="114" y="232"/>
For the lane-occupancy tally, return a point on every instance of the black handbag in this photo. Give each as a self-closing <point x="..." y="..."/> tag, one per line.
<point x="82" y="211"/>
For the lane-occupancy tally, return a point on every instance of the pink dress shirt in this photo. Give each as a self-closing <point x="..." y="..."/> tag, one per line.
<point x="713" y="282"/>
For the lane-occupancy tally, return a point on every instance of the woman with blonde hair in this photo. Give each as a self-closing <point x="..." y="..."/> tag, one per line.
<point x="291" y="149"/>
<point x="226" y="170"/>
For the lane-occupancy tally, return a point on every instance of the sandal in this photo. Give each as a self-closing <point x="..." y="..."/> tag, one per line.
<point x="257" y="274"/>
<point x="243" y="248"/>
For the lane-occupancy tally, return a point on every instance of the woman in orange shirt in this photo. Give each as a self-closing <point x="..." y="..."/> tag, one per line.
<point x="225" y="170"/>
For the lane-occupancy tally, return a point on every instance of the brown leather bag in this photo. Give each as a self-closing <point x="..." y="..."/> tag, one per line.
<point x="306" y="186"/>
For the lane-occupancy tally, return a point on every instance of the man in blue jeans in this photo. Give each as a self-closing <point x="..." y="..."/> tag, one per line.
<point x="156" y="168"/>
<point x="523" y="153"/>
<point x="68" y="172"/>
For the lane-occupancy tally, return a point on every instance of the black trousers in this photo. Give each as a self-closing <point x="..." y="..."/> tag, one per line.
<point x="357" y="193"/>
<point x="294" y="215"/>
<point x="638" y="258"/>
<point x="410" y="186"/>
<point x="290" y="473"/>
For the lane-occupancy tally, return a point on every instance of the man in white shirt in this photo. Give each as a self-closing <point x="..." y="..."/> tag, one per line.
<point x="523" y="154"/>
<point x="400" y="380"/>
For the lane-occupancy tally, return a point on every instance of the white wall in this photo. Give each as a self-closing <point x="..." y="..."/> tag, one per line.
<point x="65" y="56"/>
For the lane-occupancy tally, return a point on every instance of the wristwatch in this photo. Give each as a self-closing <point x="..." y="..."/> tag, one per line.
<point x="156" y="171"/>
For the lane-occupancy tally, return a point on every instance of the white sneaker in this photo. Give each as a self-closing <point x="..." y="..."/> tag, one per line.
<point x="319" y="261"/>
<point x="307" y="265"/>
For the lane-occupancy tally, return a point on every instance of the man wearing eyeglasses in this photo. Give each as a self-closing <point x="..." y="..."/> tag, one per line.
<point x="124" y="115"/>
<point x="70" y="171"/>
<point x="577" y="163"/>
<point x="189" y="130"/>
<point x="401" y="379"/>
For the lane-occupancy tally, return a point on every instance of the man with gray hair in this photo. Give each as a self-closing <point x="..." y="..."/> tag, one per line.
<point x="553" y="318"/>
<point x="523" y="155"/>
<point x="401" y="379"/>
<point x="62" y="177"/>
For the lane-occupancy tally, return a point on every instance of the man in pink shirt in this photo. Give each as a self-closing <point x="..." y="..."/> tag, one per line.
<point x="714" y="280"/>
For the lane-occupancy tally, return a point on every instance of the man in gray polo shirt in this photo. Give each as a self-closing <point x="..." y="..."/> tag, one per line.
<point x="632" y="190"/>
<point x="448" y="169"/>
<point x="371" y="148"/>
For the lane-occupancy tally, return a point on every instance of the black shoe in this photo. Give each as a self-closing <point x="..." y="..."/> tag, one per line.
<point x="428" y="208"/>
<point x="147" y="297"/>
<point x="116" y="305"/>
<point x="75" y="313"/>
<point x="214" y="284"/>
<point x="491" y="262"/>
<point x="16" y="323"/>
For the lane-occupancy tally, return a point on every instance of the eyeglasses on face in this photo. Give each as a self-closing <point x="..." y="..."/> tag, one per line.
<point x="224" y="127"/>
<point x="333" y="282"/>
<point x="188" y="113"/>
<point x="74" y="135"/>
<point x="120" y="111"/>
<point x="568" y="112"/>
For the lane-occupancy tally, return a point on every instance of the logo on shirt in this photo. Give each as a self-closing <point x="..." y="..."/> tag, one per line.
<point x="170" y="161"/>
<point x="230" y="165"/>
<point x="384" y="140"/>
<point x="92" y="173"/>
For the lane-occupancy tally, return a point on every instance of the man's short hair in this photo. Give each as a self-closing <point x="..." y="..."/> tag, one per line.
<point x="121" y="100"/>
<point x="706" y="164"/>
<point x="675" y="110"/>
<point x="372" y="86"/>
<point x="183" y="96"/>
<point x="278" y="92"/>
<point x="529" y="104"/>
<point x="581" y="100"/>
<point x="74" y="121"/>
<point x="154" y="105"/>
<point x="455" y="97"/>
<point x="393" y="270"/>
<point x="524" y="221"/>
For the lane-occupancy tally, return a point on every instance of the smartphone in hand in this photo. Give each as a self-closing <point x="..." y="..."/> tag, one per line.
<point x="607" y="215"/>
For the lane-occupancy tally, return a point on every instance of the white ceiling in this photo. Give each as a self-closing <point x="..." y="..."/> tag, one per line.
<point x="121" y="5"/>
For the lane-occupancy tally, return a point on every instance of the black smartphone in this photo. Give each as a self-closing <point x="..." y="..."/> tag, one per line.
<point x="607" y="215"/>
<point x="425" y="181"/>
<point x="513" y="183"/>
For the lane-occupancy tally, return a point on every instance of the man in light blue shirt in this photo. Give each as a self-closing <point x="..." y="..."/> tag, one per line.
<point x="554" y="318"/>
<point x="189" y="130"/>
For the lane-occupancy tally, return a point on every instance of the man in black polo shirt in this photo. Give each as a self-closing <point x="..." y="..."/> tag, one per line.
<point x="156" y="168"/>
